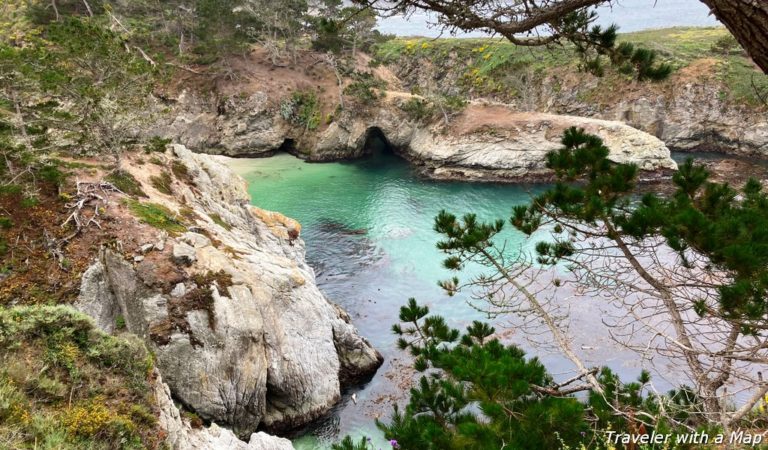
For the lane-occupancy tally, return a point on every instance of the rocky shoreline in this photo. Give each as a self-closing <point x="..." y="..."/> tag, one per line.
<point x="483" y="143"/>
<point x="241" y="333"/>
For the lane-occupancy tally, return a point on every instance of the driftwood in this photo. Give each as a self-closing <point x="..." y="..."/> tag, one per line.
<point x="89" y="196"/>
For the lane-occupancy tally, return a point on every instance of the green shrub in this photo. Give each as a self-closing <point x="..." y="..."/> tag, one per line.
<point x="162" y="182"/>
<point x="302" y="109"/>
<point x="726" y="45"/>
<point x="157" y="216"/>
<point x="418" y="109"/>
<point x="156" y="144"/>
<point x="365" y="87"/>
<point x="126" y="182"/>
<point x="29" y="202"/>
<point x="104" y="403"/>
<point x="6" y="222"/>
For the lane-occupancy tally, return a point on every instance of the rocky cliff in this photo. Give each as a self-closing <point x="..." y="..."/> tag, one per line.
<point x="483" y="142"/>
<point x="224" y="298"/>
<point x="694" y="110"/>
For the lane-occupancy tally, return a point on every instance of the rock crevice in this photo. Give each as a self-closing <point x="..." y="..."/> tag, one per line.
<point x="241" y="332"/>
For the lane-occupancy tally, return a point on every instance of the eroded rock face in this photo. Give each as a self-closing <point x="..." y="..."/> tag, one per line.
<point x="690" y="111"/>
<point x="242" y="334"/>
<point x="485" y="142"/>
<point x="494" y="143"/>
<point x="182" y="436"/>
<point x="489" y="142"/>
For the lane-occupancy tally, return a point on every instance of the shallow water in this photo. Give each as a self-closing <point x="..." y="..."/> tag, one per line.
<point x="368" y="229"/>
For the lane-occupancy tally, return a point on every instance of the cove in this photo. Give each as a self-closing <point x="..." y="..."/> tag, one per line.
<point x="367" y="225"/>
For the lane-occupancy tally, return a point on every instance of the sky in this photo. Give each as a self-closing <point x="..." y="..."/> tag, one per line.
<point x="629" y="15"/>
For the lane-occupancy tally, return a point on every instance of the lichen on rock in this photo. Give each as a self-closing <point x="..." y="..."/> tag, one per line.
<point x="242" y="335"/>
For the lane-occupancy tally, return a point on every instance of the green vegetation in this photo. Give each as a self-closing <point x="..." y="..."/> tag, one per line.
<point x="478" y="394"/>
<point x="181" y="171"/>
<point x="156" y="144"/>
<point x="302" y="109"/>
<point x="220" y="222"/>
<point x="497" y="67"/>
<point x="66" y="385"/>
<point x="162" y="182"/>
<point x="126" y="182"/>
<point x="418" y="109"/>
<point x="365" y="87"/>
<point x="157" y="216"/>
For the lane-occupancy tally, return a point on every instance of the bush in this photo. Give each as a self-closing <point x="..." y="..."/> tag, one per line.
<point x="66" y="385"/>
<point x="364" y="87"/>
<point x="156" y="144"/>
<point x="302" y="109"/>
<point x="726" y="45"/>
<point x="418" y="109"/>
<point x="162" y="182"/>
<point x="641" y="62"/>
<point x="126" y="182"/>
<point x="157" y="216"/>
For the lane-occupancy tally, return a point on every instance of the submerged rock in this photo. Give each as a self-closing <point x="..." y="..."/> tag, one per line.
<point x="242" y="334"/>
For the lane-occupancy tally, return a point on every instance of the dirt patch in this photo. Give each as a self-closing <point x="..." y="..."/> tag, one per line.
<point x="698" y="71"/>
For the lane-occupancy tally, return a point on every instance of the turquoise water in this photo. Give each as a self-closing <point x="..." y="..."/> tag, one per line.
<point x="368" y="230"/>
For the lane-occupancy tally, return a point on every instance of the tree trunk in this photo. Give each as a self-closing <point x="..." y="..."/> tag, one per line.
<point x="747" y="20"/>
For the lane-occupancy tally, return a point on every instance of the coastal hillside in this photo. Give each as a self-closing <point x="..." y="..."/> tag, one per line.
<point x="715" y="99"/>
<point x="148" y="301"/>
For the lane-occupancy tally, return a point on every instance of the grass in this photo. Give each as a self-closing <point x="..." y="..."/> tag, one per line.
<point x="494" y="66"/>
<point x="66" y="385"/>
<point x="181" y="172"/>
<point x="220" y="222"/>
<point x="745" y="84"/>
<point x="126" y="183"/>
<point x="157" y="216"/>
<point x="162" y="182"/>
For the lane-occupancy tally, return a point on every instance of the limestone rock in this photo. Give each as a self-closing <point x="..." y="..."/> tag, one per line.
<point x="183" y="254"/>
<point x="256" y="344"/>
<point x="182" y="436"/>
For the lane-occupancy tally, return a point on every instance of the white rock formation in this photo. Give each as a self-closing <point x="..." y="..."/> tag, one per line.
<point x="268" y="350"/>
<point x="500" y="144"/>
<point x="491" y="142"/>
<point x="182" y="436"/>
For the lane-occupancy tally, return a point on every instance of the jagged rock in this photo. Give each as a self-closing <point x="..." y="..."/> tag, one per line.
<point x="146" y="248"/>
<point x="507" y="145"/>
<point x="179" y="290"/>
<point x="182" y="436"/>
<point x="257" y="345"/>
<point x="489" y="142"/>
<point x="183" y="254"/>
<point x="196" y="240"/>
<point x="690" y="111"/>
